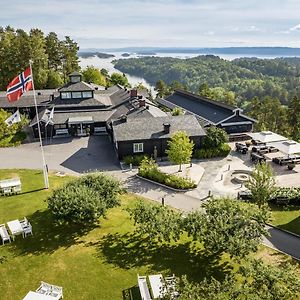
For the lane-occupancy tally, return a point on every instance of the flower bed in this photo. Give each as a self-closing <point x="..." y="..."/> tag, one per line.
<point x="149" y="170"/>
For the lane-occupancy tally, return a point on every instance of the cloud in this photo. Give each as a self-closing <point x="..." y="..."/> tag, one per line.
<point x="295" y="28"/>
<point x="199" y="23"/>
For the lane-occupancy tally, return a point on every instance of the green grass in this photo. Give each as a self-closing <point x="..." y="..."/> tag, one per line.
<point x="96" y="263"/>
<point x="286" y="217"/>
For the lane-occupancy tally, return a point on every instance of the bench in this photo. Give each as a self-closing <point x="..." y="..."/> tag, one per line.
<point x="143" y="287"/>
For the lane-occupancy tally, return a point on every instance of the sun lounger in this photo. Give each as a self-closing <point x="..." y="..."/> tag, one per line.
<point x="4" y="234"/>
<point x="171" y="286"/>
<point x="157" y="286"/>
<point x="142" y="282"/>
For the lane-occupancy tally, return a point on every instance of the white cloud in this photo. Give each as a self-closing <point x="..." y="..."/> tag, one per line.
<point x="295" y="28"/>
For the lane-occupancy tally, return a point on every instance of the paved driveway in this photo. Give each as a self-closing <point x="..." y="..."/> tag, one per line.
<point x="70" y="155"/>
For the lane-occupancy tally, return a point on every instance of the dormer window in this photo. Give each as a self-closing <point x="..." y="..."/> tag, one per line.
<point x="75" y="79"/>
<point x="76" y="95"/>
<point x="88" y="94"/>
<point x="66" y="95"/>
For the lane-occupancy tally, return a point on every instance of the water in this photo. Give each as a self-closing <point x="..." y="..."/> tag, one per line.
<point x="106" y="63"/>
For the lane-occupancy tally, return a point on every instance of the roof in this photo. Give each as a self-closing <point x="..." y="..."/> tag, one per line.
<point x="95" y="116"/>
<point x="212" y="111"/>
<point x="152" y="128"/>
<point x="43" y="97"/>
<point x="75" y="73"/>
<point x="80" y="86"/>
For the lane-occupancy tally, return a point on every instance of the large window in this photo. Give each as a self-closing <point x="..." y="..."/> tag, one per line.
<point x="138" y="147"/>
<point x="75" y="79"/>
<point x="76" y="95"/>
<point x="87" y="95"/>
<point x="60" y="126"/>
<point x="66" y="95"/>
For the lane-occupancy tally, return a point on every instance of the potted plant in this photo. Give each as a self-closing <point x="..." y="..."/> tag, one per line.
<point x="291" y="166"/>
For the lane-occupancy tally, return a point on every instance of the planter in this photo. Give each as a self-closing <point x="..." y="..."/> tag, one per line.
<point x="291" y="166"/>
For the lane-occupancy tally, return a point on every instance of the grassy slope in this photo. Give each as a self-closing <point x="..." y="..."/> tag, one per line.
<point x="97" y="264"/>
<point x="287" y="218"/>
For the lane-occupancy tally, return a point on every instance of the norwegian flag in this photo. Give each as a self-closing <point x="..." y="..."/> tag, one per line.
<point x="19" y="85"/>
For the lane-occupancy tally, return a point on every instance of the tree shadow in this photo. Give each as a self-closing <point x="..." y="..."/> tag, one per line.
<point x="48" y="235"/>
<point x="131" y="250"/>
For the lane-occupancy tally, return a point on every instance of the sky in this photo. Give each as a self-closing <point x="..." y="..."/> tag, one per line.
<point x="158" y="23"/>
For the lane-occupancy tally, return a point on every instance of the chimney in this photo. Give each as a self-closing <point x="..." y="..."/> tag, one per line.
<point x="142" y="102"/>
<point x="167" y="127"/>
<point x="133" y="93"/>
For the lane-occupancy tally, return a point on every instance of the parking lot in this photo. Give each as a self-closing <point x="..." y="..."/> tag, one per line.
<point x="70" y="155"/>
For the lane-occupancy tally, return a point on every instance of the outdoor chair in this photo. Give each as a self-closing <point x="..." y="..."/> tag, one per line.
<point x="44" y="288"/>
<point x="6" y="190"/>
<point x="171" y="286"/>
<point x="56" y="291"/>
<point x="143" y="287"/>
<point x="27" y="228"/>
<point x="4" y="234"/>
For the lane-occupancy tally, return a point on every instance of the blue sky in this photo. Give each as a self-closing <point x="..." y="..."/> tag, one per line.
<point x="180" y="23"/>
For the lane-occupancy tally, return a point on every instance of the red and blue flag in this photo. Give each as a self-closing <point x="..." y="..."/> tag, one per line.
<point x="19" y="85"/>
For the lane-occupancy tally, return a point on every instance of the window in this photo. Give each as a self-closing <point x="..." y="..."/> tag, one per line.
<point x="60" y="126"/>
<point x="76" y="95"/>
<point x="87" y="95"/>
<point x="138" y="147"/>
<point x="65" y="95"/>
<point x="75" y="79"/>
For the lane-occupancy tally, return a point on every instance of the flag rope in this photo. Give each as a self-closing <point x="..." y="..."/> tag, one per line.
<point x="45" y="171"/>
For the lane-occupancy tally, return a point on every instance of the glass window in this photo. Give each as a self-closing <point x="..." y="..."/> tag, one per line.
<point x="76" y="95"/>
<point x="66" y="95"/>
<point x="87" y="95"/>
<point x="75" y="79"/>
<point x="138" y="147"/>
<point x="60" y="126"/>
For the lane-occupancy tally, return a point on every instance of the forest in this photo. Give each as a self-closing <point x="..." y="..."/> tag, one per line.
<point x="52" y="58"/>
<point x="267" y="89"/>
<point x="245" y="77"/>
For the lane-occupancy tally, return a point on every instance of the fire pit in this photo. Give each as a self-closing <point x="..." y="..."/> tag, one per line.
<point x="240" y="176"/>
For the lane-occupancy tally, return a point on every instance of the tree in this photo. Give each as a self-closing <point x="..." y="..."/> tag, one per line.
<point x="54" y="50"/>
<point x="225" y="225"/>
<point x="8" y="134"/>
<point x="253" y="280"/>
<point x="205" y="91"/>
<point x="121" y="79"/>
<point x="215" y="137"/>
<point x="92" y="74"/>
<point x="85" y="199"/>
<point x="161" y="88"/>
<point x="180" y="149"/>
<point x="54" y="79"/>
<point x="70" y="56"/>
<point x="228" y="226"/>
<point x="261" y="184"/>
<point x="294" y="118"/>
<point x="177" y="111"/>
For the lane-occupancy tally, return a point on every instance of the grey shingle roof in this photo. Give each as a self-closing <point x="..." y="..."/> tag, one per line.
<point x="210" y="110"/>
<point x="43" y="97"/>
<point x="76" y="87"/>
<point x="152" y="128"/>
<point x="97" y="115"/>
<point x="75" y="73"/>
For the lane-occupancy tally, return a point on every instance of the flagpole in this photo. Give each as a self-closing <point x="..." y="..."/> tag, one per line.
<point x="45" y="171"/>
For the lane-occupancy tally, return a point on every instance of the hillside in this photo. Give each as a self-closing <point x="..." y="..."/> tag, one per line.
<point x="247" y="77"/>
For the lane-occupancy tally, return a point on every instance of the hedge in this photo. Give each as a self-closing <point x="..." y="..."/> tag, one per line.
<point x="135" y="160"/>
<point x="221" y="151"/>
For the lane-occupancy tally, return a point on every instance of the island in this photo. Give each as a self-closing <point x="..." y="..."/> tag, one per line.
<point x="125" y="54"/>
<point x="92" y="54"/>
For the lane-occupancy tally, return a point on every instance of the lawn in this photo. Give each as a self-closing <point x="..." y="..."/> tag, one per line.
<point x="96" y="263"/>
<point x="286" y="217"/>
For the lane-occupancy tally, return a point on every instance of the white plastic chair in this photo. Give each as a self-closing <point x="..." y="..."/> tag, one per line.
<point x="26" y="226"/>
<point x="44" y="288"/>
<point x="4" y="234"/>
<point x="56" y="291"/>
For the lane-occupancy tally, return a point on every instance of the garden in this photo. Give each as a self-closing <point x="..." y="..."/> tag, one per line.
<point x="99" y="257"/>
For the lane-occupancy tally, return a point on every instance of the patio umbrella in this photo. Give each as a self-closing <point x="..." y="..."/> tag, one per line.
<point x="267" y="136"/>
<point x="287" y="147"/>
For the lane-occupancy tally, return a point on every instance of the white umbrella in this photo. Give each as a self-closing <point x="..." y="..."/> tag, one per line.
<point x="287" y="147"/>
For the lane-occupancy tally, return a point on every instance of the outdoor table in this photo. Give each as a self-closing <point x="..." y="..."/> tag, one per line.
<point x="157" y="287"/>
<point x="15" y="227"/>
<point x="37" y="296"/>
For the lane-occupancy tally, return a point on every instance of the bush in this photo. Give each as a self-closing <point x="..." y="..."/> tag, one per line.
<point x="221" y="151"/>
<point x="286" y="195"/>
<point x="135" y="160"/>
<point x="149" y="169"/>
<point x="85" y="199"/>
<point x="215" y="138"/>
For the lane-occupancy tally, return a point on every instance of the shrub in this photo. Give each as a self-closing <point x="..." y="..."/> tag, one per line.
<point x="135" y="160"/>
<point x="85" y="199"/>
<point x="286" y="195"/>
<point x="221" y="151"/>
<point x="215" y="138"/>
<point x="149" y="169"/>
